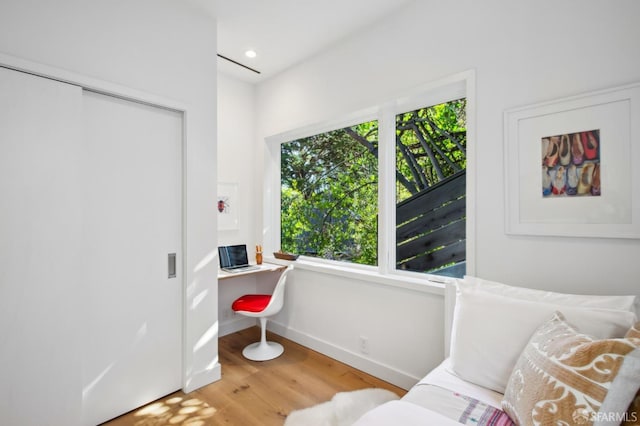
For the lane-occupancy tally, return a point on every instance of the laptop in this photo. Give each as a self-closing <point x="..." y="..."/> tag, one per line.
<point x="234" y="258"/>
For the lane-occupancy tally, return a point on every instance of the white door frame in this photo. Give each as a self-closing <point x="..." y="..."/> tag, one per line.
<point x="127" y="93"/>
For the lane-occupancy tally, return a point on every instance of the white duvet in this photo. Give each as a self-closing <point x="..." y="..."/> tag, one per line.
<point x="430" y="402"/>
<point x="405" y="414"/>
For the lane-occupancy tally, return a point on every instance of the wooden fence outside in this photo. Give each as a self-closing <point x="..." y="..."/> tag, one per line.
<point x="430" y="227"/>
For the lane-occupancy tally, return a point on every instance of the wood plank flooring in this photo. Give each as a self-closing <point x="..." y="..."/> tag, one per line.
<point x="256" y="393"/>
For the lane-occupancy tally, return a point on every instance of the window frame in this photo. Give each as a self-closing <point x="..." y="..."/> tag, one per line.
<point x="454" y="87"/>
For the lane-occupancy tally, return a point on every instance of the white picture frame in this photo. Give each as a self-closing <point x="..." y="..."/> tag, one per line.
<point x="615" y="212"/>
<point x="227" y="206"/>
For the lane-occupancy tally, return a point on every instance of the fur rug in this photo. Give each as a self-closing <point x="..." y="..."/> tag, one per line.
<point x="343" y="409"/>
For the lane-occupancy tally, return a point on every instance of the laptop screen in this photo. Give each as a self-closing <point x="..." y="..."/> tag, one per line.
<point x="233" y="256"/>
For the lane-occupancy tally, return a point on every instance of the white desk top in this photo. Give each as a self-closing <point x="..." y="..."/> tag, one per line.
<point x="265" y="267"/>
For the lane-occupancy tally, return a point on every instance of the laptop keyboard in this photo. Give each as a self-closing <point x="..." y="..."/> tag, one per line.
<point x="241" y="269"/>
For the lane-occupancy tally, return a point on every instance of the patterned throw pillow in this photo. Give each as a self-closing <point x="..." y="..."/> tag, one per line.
<point x="564" y="377"/>
<point x="633" y="414"/>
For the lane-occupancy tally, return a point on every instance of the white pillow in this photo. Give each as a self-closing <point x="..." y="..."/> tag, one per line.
<point x="490" y="331"/>
<point x="626" y="303"/>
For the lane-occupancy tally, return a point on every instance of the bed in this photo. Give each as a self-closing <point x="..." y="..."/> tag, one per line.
<point x="528" y="357"/>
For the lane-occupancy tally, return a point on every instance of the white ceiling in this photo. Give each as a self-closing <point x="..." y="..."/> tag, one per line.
<point x="286" y="32"/>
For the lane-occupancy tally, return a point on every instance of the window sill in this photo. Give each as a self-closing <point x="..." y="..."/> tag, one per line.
<point x="400" y="279"/>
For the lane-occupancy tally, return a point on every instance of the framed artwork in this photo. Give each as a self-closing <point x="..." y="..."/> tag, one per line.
<point x="227" y="206"/>
<point x="571" y="167"/>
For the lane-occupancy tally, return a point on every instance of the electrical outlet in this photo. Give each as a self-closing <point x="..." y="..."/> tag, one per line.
<point x="226" y="314"/>
<point x="364" y="344"/>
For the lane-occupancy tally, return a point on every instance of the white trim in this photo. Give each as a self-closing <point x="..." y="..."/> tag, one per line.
<point x="472" y="178"/>
<point x="382" y="371"/>
<point x="453" y="87"/>
<point x="371" y="275"/>
<point x="386" y="190"/>
<point x="434" y="93"/>
<point x="203" y="378"/>
<point x="237" y="324"/>
<point x="89" y="83"/>
<point x="352" y="119"/>
<point x="271" y="197"/>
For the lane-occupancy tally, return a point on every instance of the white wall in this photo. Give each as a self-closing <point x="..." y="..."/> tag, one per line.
<point x="165" y="48"/>
<point x="236" y="127"/>
<point x="403" y="328"/>
<point x="237" y="164"/>
<point x="523" y="52"/>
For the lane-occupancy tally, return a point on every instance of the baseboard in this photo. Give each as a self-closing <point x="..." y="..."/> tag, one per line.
<point x="236" y="324"/>
<point x="379" y="370"/>
<point x="203" y="378"/>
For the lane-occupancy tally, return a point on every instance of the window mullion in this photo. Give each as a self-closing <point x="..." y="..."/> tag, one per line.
<point x="386" y="190"/>
<point x="271" y="197"/>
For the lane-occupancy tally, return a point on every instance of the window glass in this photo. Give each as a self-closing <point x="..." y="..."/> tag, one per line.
<point x="430" y="189"/>
<point x="329" y="195"/>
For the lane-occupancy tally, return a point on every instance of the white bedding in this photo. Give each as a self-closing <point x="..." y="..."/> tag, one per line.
<point x="440" y="398"/>
<point x="444" y="377"/>
<point x="405" y="414"/>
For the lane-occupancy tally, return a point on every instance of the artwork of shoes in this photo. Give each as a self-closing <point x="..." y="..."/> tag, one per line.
<point x="546" y="182"/>
<point x="590" y="145"/>
<point x="545" y="148"/>
<point x="552" y="153"/>
<point x="595" y="184"/>
<point x="565" y="150"/>
<point x="586" y="178"/>
<point x="559" y="182"/>
<point x="577" y="152"/>
<point x="572" y="180"/>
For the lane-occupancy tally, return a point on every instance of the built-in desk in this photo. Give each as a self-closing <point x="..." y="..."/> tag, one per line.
<point x="265" y="267"/>
<point x="261" y="281"/>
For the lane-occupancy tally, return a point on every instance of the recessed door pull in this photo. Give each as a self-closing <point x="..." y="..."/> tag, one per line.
<point x="172" y="265"/>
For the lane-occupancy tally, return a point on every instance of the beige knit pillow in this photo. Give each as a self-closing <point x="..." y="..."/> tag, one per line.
<point x="633" y="413"/>
<point x="634" y="331"/>
<point x="564" y="377"/>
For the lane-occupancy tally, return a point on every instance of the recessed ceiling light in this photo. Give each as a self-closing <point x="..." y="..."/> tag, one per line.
<point x="250" y="54"/>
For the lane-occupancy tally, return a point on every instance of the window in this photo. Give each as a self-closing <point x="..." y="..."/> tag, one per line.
<point x="329" y="194"/>
<point x="384" y="189"/>
<point x="430" y="188"/>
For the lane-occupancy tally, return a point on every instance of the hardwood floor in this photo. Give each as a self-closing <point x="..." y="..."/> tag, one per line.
<point x="256" y="393"/>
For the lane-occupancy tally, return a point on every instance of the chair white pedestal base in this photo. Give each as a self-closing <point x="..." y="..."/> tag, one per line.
<point x="263" y="351"/>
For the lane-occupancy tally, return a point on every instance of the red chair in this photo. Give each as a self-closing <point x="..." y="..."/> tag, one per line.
<point x="263" y="306"/>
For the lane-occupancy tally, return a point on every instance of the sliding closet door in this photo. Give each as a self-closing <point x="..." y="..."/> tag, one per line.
<point x="132" y="182"/>
<point x="40" y="148"/>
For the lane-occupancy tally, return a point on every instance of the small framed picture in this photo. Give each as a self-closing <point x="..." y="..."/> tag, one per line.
<point x="226" y="205"/>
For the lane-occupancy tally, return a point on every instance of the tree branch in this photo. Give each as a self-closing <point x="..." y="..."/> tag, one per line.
<point x="362" y="141"/>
